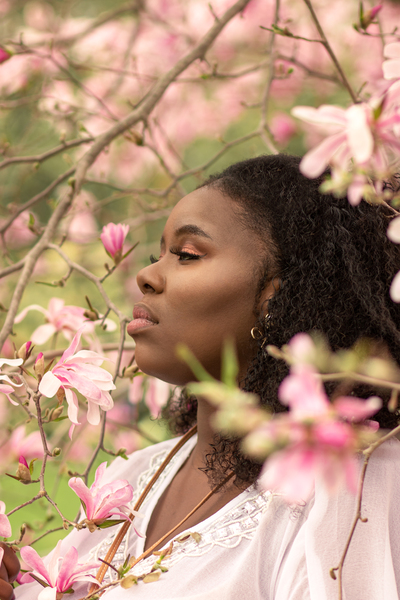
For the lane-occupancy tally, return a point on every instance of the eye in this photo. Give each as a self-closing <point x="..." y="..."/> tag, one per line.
<point x="185" y="256"/>
<point x="153" y="259"/>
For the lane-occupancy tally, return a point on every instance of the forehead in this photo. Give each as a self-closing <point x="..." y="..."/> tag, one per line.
<point x="216" y="215"/>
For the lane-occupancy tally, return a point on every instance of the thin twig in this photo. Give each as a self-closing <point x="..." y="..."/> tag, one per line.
<point x="42" y="157"/>
<point x="330" y="51"/>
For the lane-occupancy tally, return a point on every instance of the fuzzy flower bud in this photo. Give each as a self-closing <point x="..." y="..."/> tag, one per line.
<point x="366" y="18"/>
<point x="39" y="365"/>
<point x="25" y="351"/>
<point x="23" y="473"/>
<point x="113" y="237"/>
<point x="4" y="55"/>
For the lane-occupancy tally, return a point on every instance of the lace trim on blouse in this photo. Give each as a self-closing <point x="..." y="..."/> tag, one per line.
<point x="226" y="531"/>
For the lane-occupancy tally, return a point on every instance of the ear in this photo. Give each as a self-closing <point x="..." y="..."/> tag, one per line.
<point x="268" y="292"/>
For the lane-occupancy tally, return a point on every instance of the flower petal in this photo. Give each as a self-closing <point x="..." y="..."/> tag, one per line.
<point x="49" y="385"/>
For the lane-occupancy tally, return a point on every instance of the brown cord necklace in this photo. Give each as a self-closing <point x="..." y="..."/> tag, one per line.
<point x="124" y="528"/>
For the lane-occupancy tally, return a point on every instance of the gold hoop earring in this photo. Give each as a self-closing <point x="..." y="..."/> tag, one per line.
<point x="257" y="334"/>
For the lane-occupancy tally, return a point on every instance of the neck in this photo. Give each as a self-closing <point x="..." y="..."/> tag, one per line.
<point x="205" y="433"/>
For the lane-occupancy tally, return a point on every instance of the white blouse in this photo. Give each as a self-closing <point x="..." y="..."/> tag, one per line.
<point x="257" y="547"/>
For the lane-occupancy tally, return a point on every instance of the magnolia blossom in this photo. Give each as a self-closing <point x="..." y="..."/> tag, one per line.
<point x="60" y="574"/>
<point x="5" y="527"/>
<point x="60" y="318"/>
<point x="101" y="502"/>
<point x="82" y="372"/>
<point x="19" y="443"/>
<point x="157" y="393"/>
<point x="113" y="237"/>
<point x="319" y="437"/>
<point x="362" y="141"/>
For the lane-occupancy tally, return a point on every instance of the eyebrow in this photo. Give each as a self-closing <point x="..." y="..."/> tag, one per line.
<point x="192" y="229"/>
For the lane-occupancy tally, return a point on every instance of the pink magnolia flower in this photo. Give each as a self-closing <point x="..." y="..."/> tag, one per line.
<point x="29" y="446"/>
<point x="101" y="502"/>
<point x="113" y="237"/>
<point x="319" y="437"/>
<point x="60" y="318"/>
<point x="82" y="372"/>
<point x="156" y="393"/>
<point x="61" y="573"/>
<point x="282" y="128"/>
<point x="363" y="142"/>
<point x="5" y="527"/>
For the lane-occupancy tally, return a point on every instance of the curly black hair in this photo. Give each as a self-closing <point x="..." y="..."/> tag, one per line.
<point x="335" y="265"/>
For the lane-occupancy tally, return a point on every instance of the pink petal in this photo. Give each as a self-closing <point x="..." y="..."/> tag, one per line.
<point x="33" y="560"/>
<point x="304" y="393"/>
<point x="70" y="351"/>
<point x="73" y="406"/>
<point x="65" y="574"/>
<point x="5" y="527"/>
<point x="1" y="555"/>
<point x="24" y="312"/>
<point x="314" y="163"/>
<point x="395" y="288"/>
<point x="49" y="385"/>
<point x="355" y="409"/>
<point x="393" y="231"/>
<point x="81" y="490"/>
<point x="324" y="115"/>
<point x="291" y="472"/>
<point x="392" y="50"/>
<point x="43" y="333"/>
<point x="93" y="413"/>
<point x="101" y="469"/>
<point x="359" y="134"/>
<point x="391" y="69"/>
<point x="48" y="593"/>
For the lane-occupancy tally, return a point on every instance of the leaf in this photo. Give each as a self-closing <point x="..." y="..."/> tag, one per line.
<point x="109" y="523"/>
<point x="155" y="576"/>
<point x="31" y="465"/>
<point x="230" y="367"/>
<point x="127" y="253"/>
<point x="189" y="358"/>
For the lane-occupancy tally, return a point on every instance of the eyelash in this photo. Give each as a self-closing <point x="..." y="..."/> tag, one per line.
<point x="183" y="256"/>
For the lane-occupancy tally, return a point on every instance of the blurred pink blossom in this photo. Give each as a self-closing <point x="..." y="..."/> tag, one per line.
<point x="113" y="237"/>
<point x="60" y="318"/>
<point x="80" y="371"/>
<point x="61" y="572"/>
<point x="102" y="502"/>
<point x="19" y="234"/>
<point x="30" y="446"/>
<point x="319" y="437"/>
<point x="282" y="128"/>
<point x="5" y="527"/>
<point x="156" y="392"/>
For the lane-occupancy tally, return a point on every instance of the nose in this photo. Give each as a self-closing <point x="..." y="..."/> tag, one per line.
<point x="150" y="279"/>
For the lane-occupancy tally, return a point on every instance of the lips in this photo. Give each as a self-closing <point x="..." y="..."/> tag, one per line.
<point x="142" y="318"/>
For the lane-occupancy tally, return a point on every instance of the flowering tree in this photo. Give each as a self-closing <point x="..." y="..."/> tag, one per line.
<point x="105" y="118"/>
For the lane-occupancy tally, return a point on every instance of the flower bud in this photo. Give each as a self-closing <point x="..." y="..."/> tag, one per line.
<point x="130" y="372"/>
<point x="113" y="237"/>
<point x="4" y="54"/>
<point x="25" y="351"/>
<point x="38" y="367"/>
<point x="60" y="395"/>
<point x="56" y="452"/>
<point x="366" y="18"/>
<point x="56" y="413"/>
<point x="23" y="473"/>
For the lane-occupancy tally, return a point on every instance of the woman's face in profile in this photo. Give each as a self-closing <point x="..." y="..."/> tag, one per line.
<point x="200" y="291"/>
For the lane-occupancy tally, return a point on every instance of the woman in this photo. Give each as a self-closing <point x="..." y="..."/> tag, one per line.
<point x="256" y="240"/>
